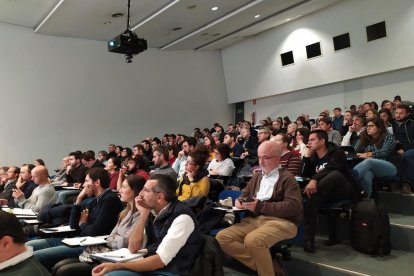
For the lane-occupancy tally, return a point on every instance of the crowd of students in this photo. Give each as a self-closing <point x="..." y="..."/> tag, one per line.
<point x="157" y="174"/>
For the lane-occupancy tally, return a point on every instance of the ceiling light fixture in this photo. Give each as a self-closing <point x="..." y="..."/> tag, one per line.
<point x="107" y="22"/>
<point x="214" y="8"/>
<point x="48" y="15"/>
<point x="257" y="16"/>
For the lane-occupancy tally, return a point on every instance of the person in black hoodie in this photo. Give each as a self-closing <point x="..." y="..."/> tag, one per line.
<point x="403" y="129"/>
<point x="331" y="181"/>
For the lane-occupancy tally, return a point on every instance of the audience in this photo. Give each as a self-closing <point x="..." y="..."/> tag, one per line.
<point x="98" y="218"/>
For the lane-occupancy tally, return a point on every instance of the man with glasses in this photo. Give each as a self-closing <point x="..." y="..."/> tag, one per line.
<point x="10" y="178"/>
<point x="273" y="200"/>
<point x="331" y="181"/>
<point x="173" y="236"/>
<point x="160" y="159"/>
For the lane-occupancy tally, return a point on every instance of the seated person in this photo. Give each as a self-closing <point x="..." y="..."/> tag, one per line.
<point x="160" y="158"/>
<point x="187" y="147"/>
<point x="173" y="236"/>
<point x="331" y="181"/>
<point x="60" y="176"/>
<point x="374" y="146"/>
<point x="98" y="218"/>
<point x="89" y="160"/>
<point x="211" y="145"/>
<point x="354" y="131"/>
<point x="42" y="195"/>
<point x="334" y="136"/>
<point x="276" y="207"/>
<point x="15" y="257"/>
<point x="76" y="171"/>
<point x="10" y="180"/>
<point x="194" y="181"/>
<point x="112" y="167"/>
<point x="128" y="232"/>
<point x="403" y="129"/>
<point x="289" y="159"/>
<point x="236" y="150"/>
<point x="221" y="164"/>
<point x="132" y="166"/>
<point x="302" y="136"/>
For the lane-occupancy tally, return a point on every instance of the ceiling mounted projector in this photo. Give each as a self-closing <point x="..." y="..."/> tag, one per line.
<point x="127" y="43"/>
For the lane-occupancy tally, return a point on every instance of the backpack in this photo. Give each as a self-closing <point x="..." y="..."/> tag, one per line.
<point x="207" y="217"/>
<point x="370" y="228"/>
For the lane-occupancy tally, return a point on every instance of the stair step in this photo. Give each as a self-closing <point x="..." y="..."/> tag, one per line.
<point x="397" y="203"/>
<point x="341" y="259"/>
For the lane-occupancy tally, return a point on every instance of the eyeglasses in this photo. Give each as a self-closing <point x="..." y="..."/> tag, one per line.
<point x="370" y="126"/>
<point x="149" y="191"/>
<point x="267" y="157"/>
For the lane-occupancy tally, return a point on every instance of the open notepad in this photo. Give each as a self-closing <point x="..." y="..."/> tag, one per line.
<point x="57" y="229"/>
<point x="84" y="241"/>
<point x="119" y="256"/>
<point x="20" y="212"/>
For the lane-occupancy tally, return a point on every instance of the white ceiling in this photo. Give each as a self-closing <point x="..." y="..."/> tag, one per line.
<point x="196" y="25"/>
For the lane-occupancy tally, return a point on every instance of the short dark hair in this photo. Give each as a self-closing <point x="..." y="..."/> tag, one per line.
<point x="104" y="153"/>
<point x="76" y="154"/>
<point x="101" y="174"/>
<point x="166" y="185"/>
<point x="146" y="142"/>
<point x="163" y="151"/>
<point x="362" y="118"/>
<point x="405" y="107"/>
<point x="138" y="146"/>
<point x="16" y="169"/>
<point x="30" y="167"/>
<point x="156" y="140"/>
<point x="231" y="134"/>
<point x="172" y="135"/>
<point x="191" y="141"/>
<point x="116" y="162"/>
<point x="224" y="150"/>
<point x="337" y="109"/>
<point x="40" y="161"/>
<point x="10" y="226"/>
<point x="321" y="134"/>
<point x="326" y="120"/>
<point x="88" y="156"/>
<point x="5" y="168"/>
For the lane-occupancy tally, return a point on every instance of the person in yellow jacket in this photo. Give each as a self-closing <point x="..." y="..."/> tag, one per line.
<point x="195" y="180"/>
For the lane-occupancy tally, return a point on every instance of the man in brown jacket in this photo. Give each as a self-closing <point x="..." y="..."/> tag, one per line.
<point x="275" y="204"/>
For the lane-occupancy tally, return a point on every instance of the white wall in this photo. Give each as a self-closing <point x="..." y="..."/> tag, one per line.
<point x="62" y="94"/>
<point x="253" y="68"/>
<point x="342" y="94"/>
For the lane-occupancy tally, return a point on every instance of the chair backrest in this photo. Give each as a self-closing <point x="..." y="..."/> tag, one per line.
<point x="229" y="193"/>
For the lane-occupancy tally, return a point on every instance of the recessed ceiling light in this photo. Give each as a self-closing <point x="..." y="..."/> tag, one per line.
<point x="257" y="16"/>
<point x="287" y="20"/>
<point x="117" y="14"/>
<point x="107" y="22"/>
<point x="214" y="8"/>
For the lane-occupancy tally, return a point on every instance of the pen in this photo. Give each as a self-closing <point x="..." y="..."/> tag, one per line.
<point x="82" y="240"/>
<point x="114" y="256"/>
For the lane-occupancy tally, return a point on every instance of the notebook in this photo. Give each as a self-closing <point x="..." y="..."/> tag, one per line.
<point x="57" y="229"/>
<point x="119" y="256"/>
<point x="84" y="241"/>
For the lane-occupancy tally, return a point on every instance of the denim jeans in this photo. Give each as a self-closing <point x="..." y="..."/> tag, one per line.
<point x="370" y="168"/>
<point x="50" y="251"/>
<point x="407" y="167"/>
<point x="131" y="273"/>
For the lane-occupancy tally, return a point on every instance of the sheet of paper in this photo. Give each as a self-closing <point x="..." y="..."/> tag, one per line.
<point x="119" y="256"/>
<point x="20" y="212"/>
<point x="84" y="241"/>
<point x="57" y="229"/>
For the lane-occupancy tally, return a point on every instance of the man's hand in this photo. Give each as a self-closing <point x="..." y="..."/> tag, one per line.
<point x="84" y="216"/>
<point x="104" y="268"/>
<point x="244" y="155"/>
<point x="307" y="152"/>
<point x="141" y="209"/>
<point x="310" y="188"/>
<point x="251" y="206"/>
<point x="351" y="128"/>
<point x="18" y="194"/>
<point x="180" y="155"/>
